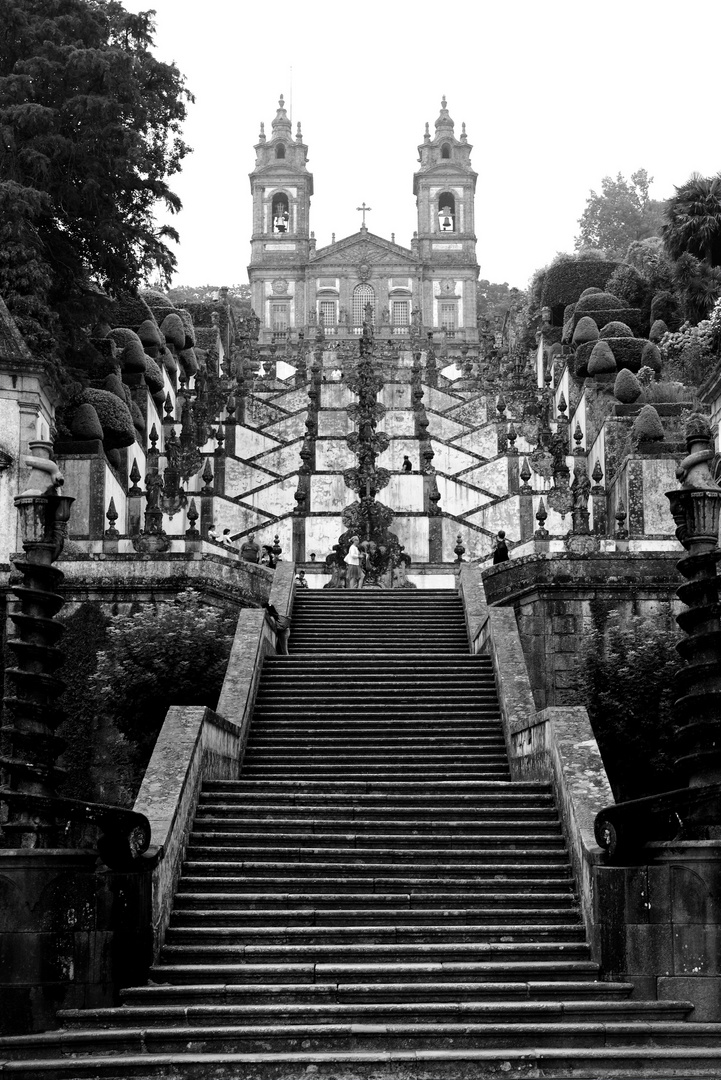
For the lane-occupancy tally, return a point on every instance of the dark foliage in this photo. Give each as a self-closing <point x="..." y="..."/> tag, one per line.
<point x="693" y="220"/>
<point x="621" y="214"/>
<point x="176" y="655"/>
<point x="564" y="282"/>
<point x="90" y="132"/>
<point x="627" y="685"/>
<point x="85" y="634"/>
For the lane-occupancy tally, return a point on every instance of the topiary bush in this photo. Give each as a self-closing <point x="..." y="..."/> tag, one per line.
<point x="121" y="335"/>
<point x="627" y="683"/>
<point x="153" y="376"/>
<point x="114" y="416"/>
<point x="114" y="385"/>
<point x="133" y="357"/>
<point x="189" y="361"/>
<point x="626" y="388"/>
<point x="565" y="281"/>
<point x="85" y="424"/>
<point x="168" y="360"/>
<point x="651" y="357"/>
<point x="615" y="329"/>
<point x="602" y="360"/>
<point x="138" y="418"/>
<point x="601" y="301"/>
<point x="627" y="351"/>
<point x="658" y="329"/>
<point x="173" y="329"/>
<point x="160" y="305"/>
<point x="647" y="426"/>
<point x="631" y="317"/>
<point x="129" y="311"/>
<point x="149" y="334"/>
<point x="586" y="330"/>
<point x="589" y="292"/>
<point x="187" y="321"/>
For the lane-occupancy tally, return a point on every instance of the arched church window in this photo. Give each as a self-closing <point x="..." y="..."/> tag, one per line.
<point x="280" y="213"/>
<point x="280" y="151"/>
<point x="362" y="295"/>
<point x="445" y="150"/>
<point x="446" y="212"/>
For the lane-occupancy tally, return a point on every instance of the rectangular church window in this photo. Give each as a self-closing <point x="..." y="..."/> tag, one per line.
<point x="448" y="316"/>
<point x="399" y="313"/>
<point x="326" y="312"/>
<point x="279" y="317"/>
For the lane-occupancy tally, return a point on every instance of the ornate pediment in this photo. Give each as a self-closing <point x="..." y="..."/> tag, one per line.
<point x="363" y="249"/>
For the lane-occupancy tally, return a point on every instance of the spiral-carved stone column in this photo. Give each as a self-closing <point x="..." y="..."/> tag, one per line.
<point x="696" y="509"/>
<point x="29" y="747"/>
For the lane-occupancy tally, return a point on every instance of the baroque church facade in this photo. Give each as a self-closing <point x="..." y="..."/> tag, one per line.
<point x="430" y="285"/>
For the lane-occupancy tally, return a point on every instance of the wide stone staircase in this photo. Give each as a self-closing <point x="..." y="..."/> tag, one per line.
<point x="374" y="897"/>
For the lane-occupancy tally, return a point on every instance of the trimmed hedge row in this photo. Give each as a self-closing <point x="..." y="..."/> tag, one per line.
<point x="627" y="352"/>
<point x="632" y="317"/>
<point x="564" y="283"/>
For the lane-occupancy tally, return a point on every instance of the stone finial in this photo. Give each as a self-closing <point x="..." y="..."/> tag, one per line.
<point x="597" y="474"/>
<point x="620" y="516"/>
<point x="134" y="477"/>
<point x="191" y="532"/>
<point x="541" y="532"/>
<point x="525" y="475"/>
<point x="111" y="514"/>
<point x="459" y="549"/>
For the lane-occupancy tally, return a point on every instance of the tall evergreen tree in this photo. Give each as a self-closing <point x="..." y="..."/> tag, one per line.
<point x="89" y="134"/>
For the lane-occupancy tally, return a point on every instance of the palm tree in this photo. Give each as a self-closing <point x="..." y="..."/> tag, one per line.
<point x="693" y="219"/>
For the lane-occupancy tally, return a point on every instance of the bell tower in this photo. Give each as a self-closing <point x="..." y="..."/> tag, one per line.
<point x="281" y="187"/>
<point x="444" y="187"/>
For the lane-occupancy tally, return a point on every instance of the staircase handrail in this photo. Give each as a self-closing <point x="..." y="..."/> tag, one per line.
<point x="555" y="745"/>
<point x="196" y="744"/>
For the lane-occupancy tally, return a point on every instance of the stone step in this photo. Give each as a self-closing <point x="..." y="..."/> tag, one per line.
<point x="475" y="1012"/>
<point x="398" y="934"/>
<point x="335" y="755"/>
<point x="349" y="1036"/>
<point x="372" y="801"/>
<point x="537" y="900"/>
<point x="363" y="853"/>
<point x="389" y="771"/>
<point x="356" y="863"/>
<point x="424" y="793"/>
<point x="360" y="742"/>
<point x="438" y="841"/>
<point x="242" y="916"/>
<point x="469" y="971"/>
<point x="272" y="817"/>
<point x="380" y="663"/>
<point x="330" y="993"/>
<point x="623" y="1063"/>
<point x="223" y="877"/>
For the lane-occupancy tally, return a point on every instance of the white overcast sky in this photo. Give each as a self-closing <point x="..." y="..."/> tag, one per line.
<point x="555" y="95"/>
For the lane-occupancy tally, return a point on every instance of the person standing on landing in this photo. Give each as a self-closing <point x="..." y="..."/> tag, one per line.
<point x="353" y="558"/>
<point x="500" y="549"/>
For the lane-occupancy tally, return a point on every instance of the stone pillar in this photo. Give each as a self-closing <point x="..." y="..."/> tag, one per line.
<point x="696" y="509"/>
<point x="29" y="747"/>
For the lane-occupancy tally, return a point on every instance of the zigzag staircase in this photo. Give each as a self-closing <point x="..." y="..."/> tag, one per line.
<point x="374" y="897"/>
